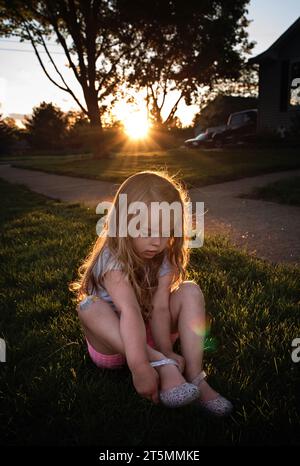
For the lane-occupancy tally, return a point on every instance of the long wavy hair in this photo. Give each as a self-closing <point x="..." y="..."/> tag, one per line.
<point x="145" y="186"/>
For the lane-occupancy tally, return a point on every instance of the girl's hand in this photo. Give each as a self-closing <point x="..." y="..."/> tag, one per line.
<point x="180" y="359"/>
<point x="146" y="381"/>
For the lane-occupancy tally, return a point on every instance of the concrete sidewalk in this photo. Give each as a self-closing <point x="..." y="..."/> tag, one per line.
<point x="64" y="188"/>
<point x="265" y="229"/>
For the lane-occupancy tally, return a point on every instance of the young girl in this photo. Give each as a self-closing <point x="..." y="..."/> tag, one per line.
<point x="134" y="301"/>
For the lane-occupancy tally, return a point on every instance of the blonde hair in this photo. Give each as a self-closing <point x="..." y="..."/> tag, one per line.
<point x="145" y="186"/>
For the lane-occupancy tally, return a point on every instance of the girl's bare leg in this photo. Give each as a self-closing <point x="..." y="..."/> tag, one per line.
<point x="187" y="309"/>
<point x="102" y="329"/>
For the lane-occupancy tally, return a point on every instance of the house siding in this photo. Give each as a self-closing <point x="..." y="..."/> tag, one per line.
<point x="270" y="114"/>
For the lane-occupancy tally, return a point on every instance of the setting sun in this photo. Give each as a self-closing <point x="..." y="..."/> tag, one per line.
<point x="136" y="125"/>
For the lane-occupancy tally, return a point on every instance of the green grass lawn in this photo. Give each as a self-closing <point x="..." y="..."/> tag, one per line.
<point x="196" y="167"/>
<point x="51" y="392"/>
<point x="285" y="191"/>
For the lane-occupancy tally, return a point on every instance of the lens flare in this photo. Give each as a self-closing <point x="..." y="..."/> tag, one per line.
<point x="202" y="328"/>
<point x="199" y="327"/>
<point x="210" y="344"/>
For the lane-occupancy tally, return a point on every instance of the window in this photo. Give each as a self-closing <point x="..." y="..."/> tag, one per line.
<point x="295" y="84"/>
<point x="250" y="118"/>
<point x="237" y="120"/>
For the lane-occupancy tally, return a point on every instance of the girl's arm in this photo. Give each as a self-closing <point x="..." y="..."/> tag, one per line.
<point x="160" y="322"/>
<point x="132" y="327"/>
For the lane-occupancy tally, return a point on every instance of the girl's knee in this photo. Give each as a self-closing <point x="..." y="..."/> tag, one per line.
<point x="190" y="287"/>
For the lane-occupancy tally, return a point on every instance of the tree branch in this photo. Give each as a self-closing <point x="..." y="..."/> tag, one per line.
<point x="173" y="110"/>
<point x="52" y="19"/>
<point x="73" y="26"/>
<point x="66" y="89"/>
<point x="66" y="50"/>
<point x="165" y="86"/>
<point x="155" y="105"/>
<point x="90" y="41"/>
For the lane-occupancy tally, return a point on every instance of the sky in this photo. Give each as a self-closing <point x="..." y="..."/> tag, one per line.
<point x="24" y="85"/>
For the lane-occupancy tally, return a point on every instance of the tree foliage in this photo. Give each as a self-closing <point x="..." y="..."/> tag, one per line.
<point x="186" y="45"/>
<point x="46" y="127"/>
<point x="8" y="134"/>
<point x="217" y="111"/>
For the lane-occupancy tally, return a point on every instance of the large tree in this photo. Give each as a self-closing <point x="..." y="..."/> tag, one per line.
<point x="186" y="45"/>
<point x="91" y="35"/>
<point x="155" y="44"/>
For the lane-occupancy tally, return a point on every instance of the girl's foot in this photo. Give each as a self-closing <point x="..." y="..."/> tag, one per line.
<point x="210" y="400"/>
<point x="175" y="391"/>
<point x="206" y="392"/>
<point x="170" y="376"/>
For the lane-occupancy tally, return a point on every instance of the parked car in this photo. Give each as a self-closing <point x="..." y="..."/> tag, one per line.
<point x="241" y="128"/>
<point x="205" y="138"/>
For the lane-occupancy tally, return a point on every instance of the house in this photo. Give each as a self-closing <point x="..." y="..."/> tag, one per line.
<point x="279" y="81"/>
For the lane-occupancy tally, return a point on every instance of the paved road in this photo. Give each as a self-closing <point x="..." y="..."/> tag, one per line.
<point x="265" y="229"/>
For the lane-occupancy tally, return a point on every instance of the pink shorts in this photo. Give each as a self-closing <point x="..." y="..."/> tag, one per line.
<point x="117" y="361"/>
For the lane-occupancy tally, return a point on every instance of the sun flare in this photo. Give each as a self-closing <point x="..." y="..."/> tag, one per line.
<point x="136" y="125"/>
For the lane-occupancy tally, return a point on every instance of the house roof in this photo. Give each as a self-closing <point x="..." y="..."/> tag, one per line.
<point x="272" y="52"/>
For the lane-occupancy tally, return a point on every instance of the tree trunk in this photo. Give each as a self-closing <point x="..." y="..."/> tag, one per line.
<point x="99" y="143"/>
<point x="91" y="99"/>
<point x="97" y="136"/>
